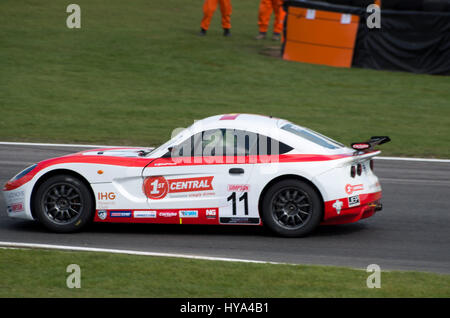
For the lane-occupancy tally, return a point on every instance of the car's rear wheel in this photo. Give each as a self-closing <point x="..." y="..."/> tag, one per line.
<point x="291" y="208"/>
<point x="63" y="204"/>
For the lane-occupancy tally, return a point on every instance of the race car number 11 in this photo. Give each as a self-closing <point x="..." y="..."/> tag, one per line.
<point x="243" y="197"/>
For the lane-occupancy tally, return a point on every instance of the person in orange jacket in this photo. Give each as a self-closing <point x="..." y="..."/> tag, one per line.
<point x="208" y="10"/>
<point x="266" y="7"/>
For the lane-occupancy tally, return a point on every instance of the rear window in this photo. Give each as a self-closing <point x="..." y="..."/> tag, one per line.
<point x="313" y="136"/>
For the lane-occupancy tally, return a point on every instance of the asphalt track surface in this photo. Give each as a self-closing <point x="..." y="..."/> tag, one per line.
<point x="411" y="233"/>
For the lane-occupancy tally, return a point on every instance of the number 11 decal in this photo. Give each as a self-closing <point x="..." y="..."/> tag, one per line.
<point x="243" y="197"/>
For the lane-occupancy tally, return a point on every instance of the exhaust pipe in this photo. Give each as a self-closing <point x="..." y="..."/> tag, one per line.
<point x="377" y="206"/>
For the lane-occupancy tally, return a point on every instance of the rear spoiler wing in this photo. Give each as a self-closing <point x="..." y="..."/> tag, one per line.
<point x="365" y="150"/>
<point x="368" y="146"/>
<point x="358" y="157"/>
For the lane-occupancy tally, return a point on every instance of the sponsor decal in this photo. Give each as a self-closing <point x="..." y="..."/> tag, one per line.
<point x="144" y="214"/>
<point x="353" y="201"/>
<point x="165" y="164"/>
<point x="167" y="214"/>
<point x="188" y="214"/>
<point x="102" y="214"/>
<point x="105" y="196"/>
<point x="157" y="187"/>
<point x="360" y="146"/>
<point x="120" y="214"/>
<point x="349" y="189"/>
<point x="195" y="195"/>
<point x="238" y="187"/>
<point x="190" y="184"/>
<point x="338" y="206"/>
<point x="15" y="207"/>
<point x="211" y="213"/>
<point x="14" y="195"/>
<point x="239" y="220"/>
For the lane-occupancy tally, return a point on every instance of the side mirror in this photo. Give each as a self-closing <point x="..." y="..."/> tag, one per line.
<point x="168" y="154"/>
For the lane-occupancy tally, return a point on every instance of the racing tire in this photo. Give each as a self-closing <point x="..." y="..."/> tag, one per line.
<point x="63" y="204"/>
<point x="292" y="208"/>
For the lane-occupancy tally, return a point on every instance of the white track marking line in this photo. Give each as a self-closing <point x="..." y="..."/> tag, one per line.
<point x="412" y="159"/>
<point x="130" y="252"/>
<point x="55" y="145"/>
<point x="107" y="146"/>
<point x="416" y="181"/>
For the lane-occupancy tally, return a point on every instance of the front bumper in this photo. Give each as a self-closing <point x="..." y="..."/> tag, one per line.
<point x="18" y="202"/>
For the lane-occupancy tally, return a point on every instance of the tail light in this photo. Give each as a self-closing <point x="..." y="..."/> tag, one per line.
<point x="353" y="171"/>
<point x="359" y="169"/>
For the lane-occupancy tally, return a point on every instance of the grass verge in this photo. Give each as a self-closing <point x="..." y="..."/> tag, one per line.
<point x="42" y="273"/>
<point x="136" y="70"/>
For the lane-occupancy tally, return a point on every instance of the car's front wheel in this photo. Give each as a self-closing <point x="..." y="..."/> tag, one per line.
<point x="291" y="208"/>
<point x="63" y="204"/>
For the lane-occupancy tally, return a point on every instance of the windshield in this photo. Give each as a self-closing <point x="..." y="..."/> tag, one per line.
<point x="313" y="136"/>
<point x="172" y="142"/>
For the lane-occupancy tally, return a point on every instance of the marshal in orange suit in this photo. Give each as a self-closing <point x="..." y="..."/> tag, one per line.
<point x="266" y="7"/>
<point x="208" y="10"/>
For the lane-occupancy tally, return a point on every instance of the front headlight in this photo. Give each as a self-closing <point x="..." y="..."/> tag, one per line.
<point x="24" y="172"/>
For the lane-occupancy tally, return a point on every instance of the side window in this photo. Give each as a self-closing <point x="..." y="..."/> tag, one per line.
<point x="244" y="143"/>
<point x="205" y="143"/>
<point x="312" y="136"/>
<point x="283" y="148"/>
<point x="229" y="142"/>
<point x="270" y="146"/>
<point x="212" y="142"/>
<point x="239" y="142"/>
<point x="188" y="148"/>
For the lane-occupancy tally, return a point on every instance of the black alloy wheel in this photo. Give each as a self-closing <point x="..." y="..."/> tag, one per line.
<point x="63" y="204"/>
<point x="292" y="208"/>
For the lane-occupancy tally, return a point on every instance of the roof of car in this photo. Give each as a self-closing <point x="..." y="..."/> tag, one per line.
<point x="250" y="122"/>
<point x="264" y="125"/>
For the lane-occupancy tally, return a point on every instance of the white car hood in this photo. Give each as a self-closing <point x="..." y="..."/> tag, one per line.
<point x="118" y="152"/>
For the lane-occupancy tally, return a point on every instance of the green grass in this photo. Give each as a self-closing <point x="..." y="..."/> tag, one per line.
<point x="136" y="70"/>
<point x="42" y="273"/>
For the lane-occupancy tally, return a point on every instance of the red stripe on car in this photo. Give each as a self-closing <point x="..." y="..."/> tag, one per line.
<point x="181" y="161"/>
<point x="229" y="117"/>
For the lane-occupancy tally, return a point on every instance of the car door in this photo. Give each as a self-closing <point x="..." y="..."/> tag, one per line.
<point x="201" y="180"/>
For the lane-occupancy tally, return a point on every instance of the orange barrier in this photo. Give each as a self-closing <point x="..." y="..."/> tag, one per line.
<point x="320" y="37"/>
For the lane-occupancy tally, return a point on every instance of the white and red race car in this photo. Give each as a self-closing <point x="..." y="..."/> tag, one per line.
<point x="226" y="169"/>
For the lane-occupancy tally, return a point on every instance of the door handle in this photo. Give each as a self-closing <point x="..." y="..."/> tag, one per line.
<point x="236" y="171"/>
